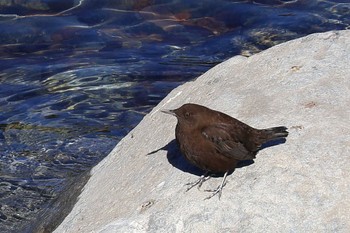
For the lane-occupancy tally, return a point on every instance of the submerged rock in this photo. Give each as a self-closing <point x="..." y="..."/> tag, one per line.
<point x="299" y="186"/>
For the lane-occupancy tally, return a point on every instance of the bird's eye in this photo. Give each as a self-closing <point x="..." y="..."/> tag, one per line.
<point x="187" y="114"/>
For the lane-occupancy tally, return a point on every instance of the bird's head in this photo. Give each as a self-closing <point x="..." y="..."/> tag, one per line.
<point x="188" y="114"/>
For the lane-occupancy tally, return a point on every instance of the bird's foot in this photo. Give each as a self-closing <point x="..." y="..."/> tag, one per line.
<point x="198" y="182"/>
<point x="218" y="190"/>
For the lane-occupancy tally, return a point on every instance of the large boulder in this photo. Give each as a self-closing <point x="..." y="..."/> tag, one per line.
<point x="302" y="185"/>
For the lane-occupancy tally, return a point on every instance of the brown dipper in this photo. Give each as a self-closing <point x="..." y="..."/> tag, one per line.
<point x="216" y="142"/>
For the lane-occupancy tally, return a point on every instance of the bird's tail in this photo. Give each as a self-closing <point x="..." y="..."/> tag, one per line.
<point x="275" y="133"/>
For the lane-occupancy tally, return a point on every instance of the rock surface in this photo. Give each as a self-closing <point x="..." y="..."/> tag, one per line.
<point x="299" y="186"/>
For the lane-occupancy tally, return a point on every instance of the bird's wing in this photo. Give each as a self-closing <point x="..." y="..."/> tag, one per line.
<point x="226" y="143"/>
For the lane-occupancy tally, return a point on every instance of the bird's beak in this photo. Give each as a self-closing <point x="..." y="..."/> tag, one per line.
<point x="167" y="111"/>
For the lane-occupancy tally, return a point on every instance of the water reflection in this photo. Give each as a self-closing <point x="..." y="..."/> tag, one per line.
<point x="76" y="76"/>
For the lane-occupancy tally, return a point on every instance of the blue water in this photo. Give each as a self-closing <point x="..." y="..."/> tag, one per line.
<point x="77" y="76"/>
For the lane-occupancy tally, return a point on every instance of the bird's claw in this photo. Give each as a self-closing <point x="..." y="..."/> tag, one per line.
<point x="198" y="182"/>
<point x="218" y="191"/>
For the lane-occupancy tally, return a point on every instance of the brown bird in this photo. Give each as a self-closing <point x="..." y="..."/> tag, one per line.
<point x="216" y="142"/>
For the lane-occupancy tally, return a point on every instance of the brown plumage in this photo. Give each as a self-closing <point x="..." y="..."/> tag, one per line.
<point x="216" y="142"/>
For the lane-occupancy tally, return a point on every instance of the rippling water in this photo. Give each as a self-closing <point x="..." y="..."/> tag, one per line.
<point x="76" y="76"/>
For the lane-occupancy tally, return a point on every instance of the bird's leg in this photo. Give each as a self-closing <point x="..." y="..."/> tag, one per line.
<point x="198" y="182"/>
<point x="218" y="190"/>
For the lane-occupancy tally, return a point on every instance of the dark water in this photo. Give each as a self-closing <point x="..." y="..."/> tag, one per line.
<point x="77" y="76"/>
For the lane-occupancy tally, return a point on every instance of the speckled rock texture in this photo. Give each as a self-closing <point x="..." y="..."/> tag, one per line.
<point x="301" y="185"/>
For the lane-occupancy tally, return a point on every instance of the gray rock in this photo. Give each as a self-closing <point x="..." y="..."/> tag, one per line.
<point x="299" y="186"/>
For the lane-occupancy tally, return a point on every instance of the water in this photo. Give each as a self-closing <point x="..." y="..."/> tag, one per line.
<point x="77" y="76"/>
